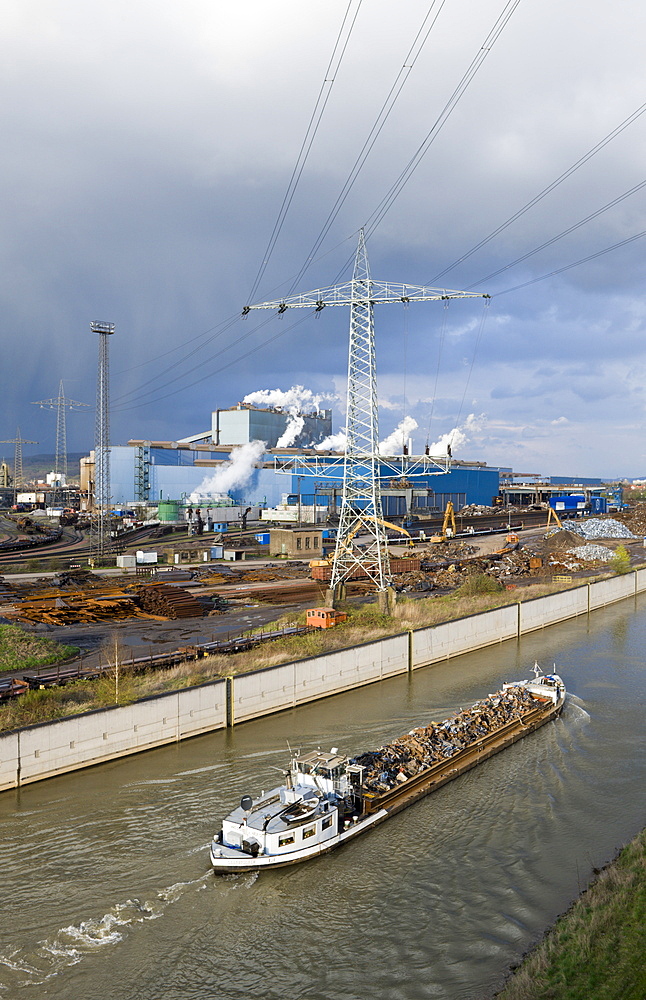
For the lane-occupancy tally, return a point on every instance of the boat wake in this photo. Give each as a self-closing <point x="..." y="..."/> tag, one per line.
<point x="70" y="945"/>
<point x="575" y="710"/>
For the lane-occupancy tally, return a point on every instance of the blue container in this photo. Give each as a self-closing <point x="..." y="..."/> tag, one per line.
<point x="262" y="538"/>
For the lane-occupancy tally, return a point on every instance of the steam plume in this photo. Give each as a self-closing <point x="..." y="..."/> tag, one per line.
<point x="394" y="443"/>
<point x="236" y="472"/>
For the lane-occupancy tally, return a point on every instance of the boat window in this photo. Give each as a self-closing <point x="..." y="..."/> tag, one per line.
<point x="327" y="823"/>
<point x="309" y="831"/>
<point x="288" y="838"/>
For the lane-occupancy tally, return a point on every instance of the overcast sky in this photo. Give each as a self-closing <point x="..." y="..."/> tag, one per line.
<point x="147" y="148"/>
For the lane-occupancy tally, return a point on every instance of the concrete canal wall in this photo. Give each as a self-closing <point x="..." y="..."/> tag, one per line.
<point x="43" y="751"/>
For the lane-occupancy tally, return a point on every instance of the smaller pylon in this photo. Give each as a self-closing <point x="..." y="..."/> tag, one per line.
<point x="18" y="441"/>
<point x="61" y="404"/>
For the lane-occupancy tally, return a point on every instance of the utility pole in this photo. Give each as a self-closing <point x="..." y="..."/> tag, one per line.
<point x="102" y="440"/>
<point x="60" y="404"/>
<point x="18" y="441"/>
<point x="361" y="504"/>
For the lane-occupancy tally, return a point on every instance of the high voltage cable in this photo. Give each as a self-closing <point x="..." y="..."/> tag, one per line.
<point x="391" y="196"/>
<point x="410" y="59"/>
<point x="542" y="194"/>
<point x="333" y="67"/>
<point x="565" y="232"/>
<point x="310" y="135"/>
<point x="576" y="263"/>
<point x="253" y="350"/>
<point x="398" y="186"/>
<point x="298" y="169"/>
<point x="201" y="364"/>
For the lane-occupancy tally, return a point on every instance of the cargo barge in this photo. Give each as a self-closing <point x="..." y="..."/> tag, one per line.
<point x="328" y="799"/>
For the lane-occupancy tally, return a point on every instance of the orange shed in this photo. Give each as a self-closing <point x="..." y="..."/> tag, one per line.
<point x="324" y="617"/>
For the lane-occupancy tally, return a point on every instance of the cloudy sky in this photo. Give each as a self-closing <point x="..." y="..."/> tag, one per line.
<point x="164" y="164"/>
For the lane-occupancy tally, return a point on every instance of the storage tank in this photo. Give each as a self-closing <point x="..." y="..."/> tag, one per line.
<point x="168" y="511"/>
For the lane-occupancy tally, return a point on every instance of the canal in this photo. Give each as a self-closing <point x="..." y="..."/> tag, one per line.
<point x="106" y="890"/>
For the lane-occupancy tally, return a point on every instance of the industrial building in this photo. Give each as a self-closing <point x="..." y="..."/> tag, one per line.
<point x="296" y="484"/>
<point x="150" y="472"/>
<point x="278" y="428"/>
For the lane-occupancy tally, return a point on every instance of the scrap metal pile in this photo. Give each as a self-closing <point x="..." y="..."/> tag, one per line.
<point x="407" y="756"/>
<point x="600" y="527"/>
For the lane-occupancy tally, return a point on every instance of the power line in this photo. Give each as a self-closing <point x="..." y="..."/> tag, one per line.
<point x="248" y="353"/>
<point x="565" y="232"/>
<point x="576" y="263"/>
<point x="410" y="59"/>
<point x="547" y="190"/>
<point x="310" y="134"/>
<point x="396" y="189"/>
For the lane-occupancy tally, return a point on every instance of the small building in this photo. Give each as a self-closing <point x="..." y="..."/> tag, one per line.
<point x="296" y="543"/>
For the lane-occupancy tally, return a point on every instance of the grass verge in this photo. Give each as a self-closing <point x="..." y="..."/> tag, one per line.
<point x="365" y="624"/>
<point x="19" y="650"/>
<point x="596" y="950"/>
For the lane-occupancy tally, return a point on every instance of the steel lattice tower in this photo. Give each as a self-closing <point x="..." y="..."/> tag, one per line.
<point x="61" y="404"/>
<point x="18" y="442"/>
<point x="102" y="439"/>
<point x="361" y="503"/>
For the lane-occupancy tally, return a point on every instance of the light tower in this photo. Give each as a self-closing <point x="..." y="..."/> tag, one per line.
<point x="361" y="503"/>
<point x="61" y="404"/>
<point x="102" y="440"/>
<point x="18" y="442"/>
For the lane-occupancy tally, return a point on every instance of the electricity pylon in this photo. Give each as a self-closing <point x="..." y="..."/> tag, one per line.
<point x="61" y="404"/>
<point x="102" y="440"/>
<point x="18" y="441"/>
<point x="361" y="504"/>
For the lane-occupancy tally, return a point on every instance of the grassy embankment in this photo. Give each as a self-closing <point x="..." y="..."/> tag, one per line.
<point x="596" y="950"/>
<point x="20" y="651"/>
<point x="365" y="624"/>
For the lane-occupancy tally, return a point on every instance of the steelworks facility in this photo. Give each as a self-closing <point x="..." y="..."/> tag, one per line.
<point x="213" y="465"/>
<point x="301" y="482"/>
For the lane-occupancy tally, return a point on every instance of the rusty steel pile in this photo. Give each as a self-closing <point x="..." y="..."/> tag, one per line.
<point x="421" y="748"/>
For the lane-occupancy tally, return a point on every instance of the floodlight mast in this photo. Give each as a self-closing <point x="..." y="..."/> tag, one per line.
<point x="361" y="504"/>
<point x="102" y="440"/>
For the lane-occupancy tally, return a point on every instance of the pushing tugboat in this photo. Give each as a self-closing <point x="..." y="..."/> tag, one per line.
<point x="328" y="799"/>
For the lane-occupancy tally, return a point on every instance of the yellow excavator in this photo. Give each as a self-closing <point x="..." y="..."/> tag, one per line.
<point x="356" y="528"/>
<point x="553" y="516"/>
<point x="449" y="529"/>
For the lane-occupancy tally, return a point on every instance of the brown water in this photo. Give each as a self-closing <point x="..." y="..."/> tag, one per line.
<point x="106" y="890"/>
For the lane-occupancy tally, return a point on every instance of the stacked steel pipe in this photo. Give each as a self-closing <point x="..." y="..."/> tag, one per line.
<point x="171" y="602"/>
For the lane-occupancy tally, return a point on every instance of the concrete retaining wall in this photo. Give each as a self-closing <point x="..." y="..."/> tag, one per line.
<point x="615" y="589"/>
<point x="463" y="635"/>
<point x="65" y="745"/>
<point x="553" y="608"/>
<point x="54" y="748"/>
<point x="275" y="688"/>
<point x="9" y="760"/>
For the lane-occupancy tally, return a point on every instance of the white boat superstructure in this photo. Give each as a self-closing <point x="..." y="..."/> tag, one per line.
<point x="328" y="799"/>
<point x="313" y="812"/>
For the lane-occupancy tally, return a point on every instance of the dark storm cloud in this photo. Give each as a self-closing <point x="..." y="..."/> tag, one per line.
<point x="146" y="152"/>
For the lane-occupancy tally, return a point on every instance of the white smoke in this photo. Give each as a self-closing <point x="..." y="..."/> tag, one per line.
<point x="294" y="427"/>
<point x="334" y="442"/>
<point x="457" y="437"/>
<point x="298" y="399"/>
<point x="236" y="472"/>
<point x="394" y="443"/>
